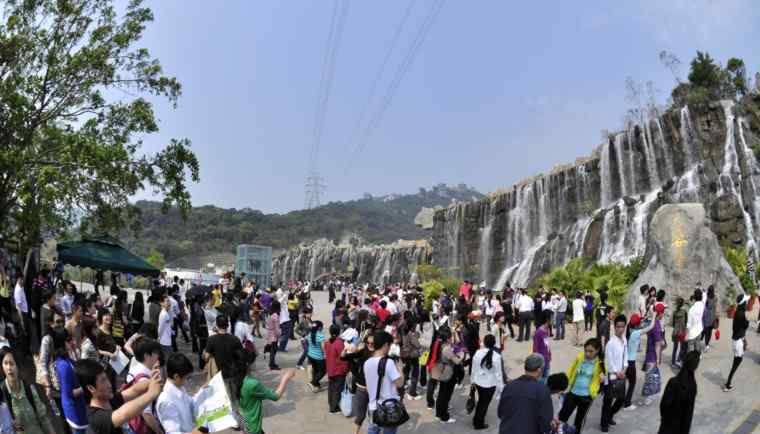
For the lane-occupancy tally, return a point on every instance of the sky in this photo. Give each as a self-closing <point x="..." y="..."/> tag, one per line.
<point x="496" y="92"/>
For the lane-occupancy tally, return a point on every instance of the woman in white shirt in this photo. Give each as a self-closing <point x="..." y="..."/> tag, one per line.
<point x="487" y="374"/>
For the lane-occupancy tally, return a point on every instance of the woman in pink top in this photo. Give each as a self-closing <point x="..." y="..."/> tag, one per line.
<point x="273" y="333"/>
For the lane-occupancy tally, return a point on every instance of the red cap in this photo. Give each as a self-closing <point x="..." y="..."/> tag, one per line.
<point x="659" y="308"/>
<point x="635" y="319"/>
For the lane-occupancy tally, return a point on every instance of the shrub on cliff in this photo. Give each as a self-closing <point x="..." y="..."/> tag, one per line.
<point x="737" y="259"/>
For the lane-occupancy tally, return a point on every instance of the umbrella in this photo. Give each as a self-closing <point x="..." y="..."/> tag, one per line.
<point x="104" y="253"/>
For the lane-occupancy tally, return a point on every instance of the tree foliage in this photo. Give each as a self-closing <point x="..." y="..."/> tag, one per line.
<point x="737" y="259"/>
<point x="156" y="259"/>
<point x="73" y="113"/>
<point x="582" y="274"/>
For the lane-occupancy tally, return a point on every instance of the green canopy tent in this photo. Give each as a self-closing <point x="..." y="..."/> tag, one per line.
<point x="104" y="253"/>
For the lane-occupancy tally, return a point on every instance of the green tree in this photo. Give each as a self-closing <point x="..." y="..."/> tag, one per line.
<point x="156" y="259"/>
<point x="704" y="71"/>
<point x="73" y="88"/>
<point x="737" y="75"/>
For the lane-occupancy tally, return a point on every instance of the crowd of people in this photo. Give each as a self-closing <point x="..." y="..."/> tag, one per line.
<point x="383" y="347"/>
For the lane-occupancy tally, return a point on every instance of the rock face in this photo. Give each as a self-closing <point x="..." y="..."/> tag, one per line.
<point x="682" y="251"/>
<point x="373" y="263"/>
<point x="601" y="206"/>
<point x="424" y="218"/>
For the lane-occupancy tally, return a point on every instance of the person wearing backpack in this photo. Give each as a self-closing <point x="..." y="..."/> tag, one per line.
<point x="411" y="350"/>
<point x="385" y="388"/>
<point x="27" y="409"/>
<point x="337" y="369"/>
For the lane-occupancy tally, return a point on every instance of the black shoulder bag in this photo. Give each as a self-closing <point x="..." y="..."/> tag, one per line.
<point x="391" y="412"/>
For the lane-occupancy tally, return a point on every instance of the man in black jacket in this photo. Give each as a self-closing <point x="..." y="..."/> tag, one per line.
<point x="526" y="405"/>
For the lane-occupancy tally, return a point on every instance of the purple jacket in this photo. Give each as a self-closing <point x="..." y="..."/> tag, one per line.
<point x="540" y="346"/>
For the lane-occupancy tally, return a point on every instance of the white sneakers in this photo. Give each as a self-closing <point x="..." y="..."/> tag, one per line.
<point x="451" y="420"/>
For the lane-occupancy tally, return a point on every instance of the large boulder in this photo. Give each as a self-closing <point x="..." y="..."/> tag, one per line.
<point x="424" y="218"/>
<point x="682" y="250"/>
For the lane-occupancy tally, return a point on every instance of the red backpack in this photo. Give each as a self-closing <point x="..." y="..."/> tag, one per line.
<point x="137" y="423"/>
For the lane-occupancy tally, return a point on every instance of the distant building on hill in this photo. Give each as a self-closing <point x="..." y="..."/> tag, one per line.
<point x="256" y="262"/>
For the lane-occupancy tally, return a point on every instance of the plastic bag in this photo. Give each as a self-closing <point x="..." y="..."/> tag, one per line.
<point x="346" y="401"/>
<point x="717" y="335"/>
<point x="424" y="358"/>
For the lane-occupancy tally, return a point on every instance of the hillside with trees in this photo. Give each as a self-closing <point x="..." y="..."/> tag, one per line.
<point x="210" y="230"/>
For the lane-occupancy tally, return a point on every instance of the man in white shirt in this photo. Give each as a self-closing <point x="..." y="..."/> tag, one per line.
<point x="694" y="326"/>
<point x="391" y="381"/>
<point x="174" y="406"/>
<point x="560" y="316"/>
<point x="165" y="325"/>
<point x="615" y="357"/>
<point x="22" y="308"/>
<point x="525" y="309"/>
<point x="286" y="325"/>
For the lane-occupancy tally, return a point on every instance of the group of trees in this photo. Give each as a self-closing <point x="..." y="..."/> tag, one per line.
<point x="74" y="110"/>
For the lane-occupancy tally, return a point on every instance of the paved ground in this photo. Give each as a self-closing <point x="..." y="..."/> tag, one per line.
<point x="302" y="412"/>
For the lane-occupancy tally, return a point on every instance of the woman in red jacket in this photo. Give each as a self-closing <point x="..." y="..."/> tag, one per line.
<point x="336" y="368"/>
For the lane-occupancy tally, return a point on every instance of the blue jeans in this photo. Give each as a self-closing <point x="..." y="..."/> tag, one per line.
<point x="285" y="330"/>
<point x="374" y="429"/>
<point x="545" y="373"/>
<point x="559" y="321"/>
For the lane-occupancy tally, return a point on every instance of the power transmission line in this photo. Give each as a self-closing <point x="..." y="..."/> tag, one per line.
<point x="373" y="87"/>
<point x="314" y="182"/>
<point x="404" y="67"/>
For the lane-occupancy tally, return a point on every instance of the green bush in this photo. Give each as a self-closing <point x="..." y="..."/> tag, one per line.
<point x="737" y="259"/>
<point x="431" y="290"/>
<point x="581" y="274"/>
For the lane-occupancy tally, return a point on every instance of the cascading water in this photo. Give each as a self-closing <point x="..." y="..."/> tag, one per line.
<point x="666" y="151"/>
<point x="625" y="186"/>
<point x="651" y="158"/>
<point x="486" y="244"/>
<point x="606" y="174"/>
<point x="687" y="137"/>
<point x="731" y="175"/>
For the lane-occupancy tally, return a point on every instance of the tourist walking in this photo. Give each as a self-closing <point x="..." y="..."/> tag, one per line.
<point x="316" y="356"/>
<point x="559" y="318"/>
<point x="579" y="316"/>
<point x="678" y="338"/>
<point x="526" y="406"/>
<point x="445" y="359"/>
<point x="337" y="369"/>
<point x="584" y="379"/>
<point x="273" y="333"/>
<point x="252" y="397"/>
<point x="588" y="312"/>
<point x="303" y="329"/>
<point x="410" y="353"/>
<point x="677" y="403"/>
<point x="709" y="317"/>
<point x="356" y="356"/>
<point x="487" y="375"/>
<point x="525" y="312"/>
<point x="738" y="337"/>
<point x="72" y="395"/>
<point x="694" y="323"/>
<point x="541" y="342"/>
<point x="655" y="344"/>
<point x="383" y="379"/>
<point x="603" y="312"/>
<point x="614" y="360"/>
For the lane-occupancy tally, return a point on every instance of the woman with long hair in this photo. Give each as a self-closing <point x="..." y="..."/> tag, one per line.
<point x="137" y="311"/>
<point x="709" y="316"/>
<point x="677" y="403"/>
<point x="273" y="333"/>
<point x="411" y="350"/>
<point x="486" y="377"/>
<point x="45" y="361"/>
<point x="337" y="369"/>
<point x="29" y="411"/>
<point x="443" y="371"/>
<point x="738" y="337"/>
<point x="88" y="349"/>
<point x="72" y="394"/>
<point x="584" y="380"/>
<point x="316" y="356"/>
<point x="680" y="318"/>
<point x="119" y="317"/>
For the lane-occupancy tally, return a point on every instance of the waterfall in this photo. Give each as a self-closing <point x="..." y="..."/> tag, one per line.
<point x="731" y="174"/>
<point x="651" y="158"/>
<point x="624" y="235"/>
<point x="666" y="151"/>
<point x="606" y="175"/>
<point x="752" y="173"/>
<point x="687" y="186"/>
<point x="624" y="179"/>
<point x="686" y="136"/>
<point x="486" y="244"/>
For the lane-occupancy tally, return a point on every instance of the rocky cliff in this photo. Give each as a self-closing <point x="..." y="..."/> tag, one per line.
<point x="371" y="263"/>
<point x="601" y="207"/>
